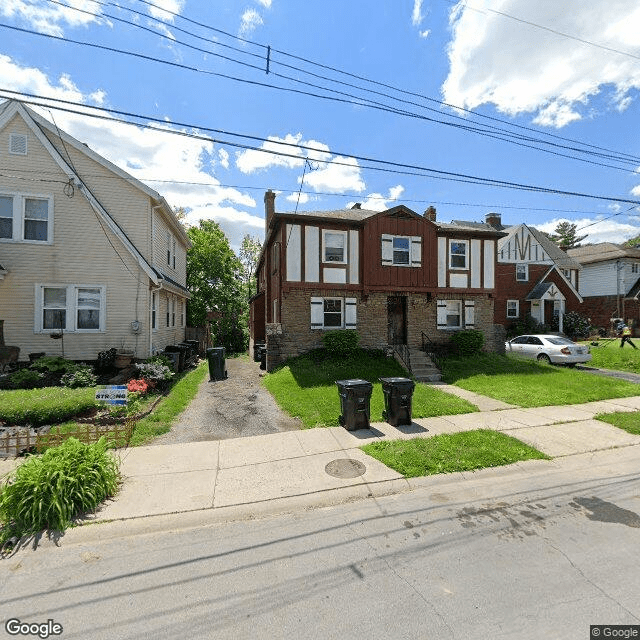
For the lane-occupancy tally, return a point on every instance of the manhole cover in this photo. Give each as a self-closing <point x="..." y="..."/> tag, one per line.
<point x="345" y="468"/>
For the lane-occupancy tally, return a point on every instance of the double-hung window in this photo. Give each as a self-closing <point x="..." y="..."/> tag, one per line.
<point x="334" y="246"/>
<point x="333" y="313"/>
<point x="455" y="314"/>
<point x="154" y="309"/>
<point x="522" y="272"/>
<point x="401" y="251"/>
<point x="458" y="254"/>
<point x="71" y="308"/>
<point x="513" y="308"/>
<point x="26" y="218"/>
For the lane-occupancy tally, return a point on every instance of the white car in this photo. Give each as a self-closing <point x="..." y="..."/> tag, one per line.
<point x="549" y="348"/>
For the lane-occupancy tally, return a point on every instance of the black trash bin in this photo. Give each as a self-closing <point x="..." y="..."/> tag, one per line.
<point x="355" y="397"/>
<point x="256" y="350"/>
<point x="398" y="395"/>
<point x="215" y="358"/>
<point x="263" y="357"/>
<point x="182" y="353"/>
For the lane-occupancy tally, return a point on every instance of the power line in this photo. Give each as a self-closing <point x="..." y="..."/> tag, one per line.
<point x="387" y="166"/>
<point x="349" y="98"/>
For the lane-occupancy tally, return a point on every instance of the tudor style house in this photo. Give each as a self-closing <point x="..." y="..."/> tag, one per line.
<point x="533" y="276"/>
<point x="610" y="283"/>
<point x="87" y="251"/>
<point x="396" y="277"/>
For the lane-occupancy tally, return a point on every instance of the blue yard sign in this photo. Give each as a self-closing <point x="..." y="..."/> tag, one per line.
<point x="113" y="394"/>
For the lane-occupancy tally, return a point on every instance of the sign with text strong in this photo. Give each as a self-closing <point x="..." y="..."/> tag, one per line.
<point x="113" y="394"/>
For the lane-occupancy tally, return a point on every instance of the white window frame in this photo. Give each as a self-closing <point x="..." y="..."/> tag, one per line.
<point x="348" y="313"/>
<point x="635" y="267"/>
<point x="526" y="272"/>
<point x="345" y="236"/>
<point x="515" y="304"/>
<point x="388" y="251"/>
<point x="19" y="217"/>
<point x="465" y="243"/>
<point x="71" y="307"/>
<point x="154" y="310"/>
<point x="182" y="314"/>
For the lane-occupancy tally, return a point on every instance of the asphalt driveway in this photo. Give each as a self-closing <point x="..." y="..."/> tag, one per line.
<point x="233" y="408"/>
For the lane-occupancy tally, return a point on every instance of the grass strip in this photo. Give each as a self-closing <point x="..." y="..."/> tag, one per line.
<point x="448" y="453"/>
<point x="305" y="388"/>
<point x="630" y="422"/>
<point x="528" y="383"/>
<point x="608" y="355"/>
<point x="177" y="400"/>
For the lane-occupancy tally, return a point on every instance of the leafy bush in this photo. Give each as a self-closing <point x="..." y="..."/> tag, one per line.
<point x="468" y="342"/>
<point x="106" y="360"/>
<point x="49" y="491"/>
<point x="154" y="371"/>
<point x="138" y="386"/>
<point x="53" y="364"/>
<point x="83" y="376"/>
<point x="45" y="406"/>
<point x="341" y="342"/>
<point x="160" y="359"/>
<point x="527" y="325"/>
<point x="25" y="379"/>
<point x="574" y="325"/>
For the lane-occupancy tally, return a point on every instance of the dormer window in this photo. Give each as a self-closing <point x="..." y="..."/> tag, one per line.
<point x="334" y="245"/>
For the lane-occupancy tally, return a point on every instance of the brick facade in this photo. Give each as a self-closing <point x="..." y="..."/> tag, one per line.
<point x="601" y="309"/>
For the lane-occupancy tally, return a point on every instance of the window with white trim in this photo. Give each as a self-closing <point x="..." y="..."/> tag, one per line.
<point x="168" y="311"/>
<point x="25" y="218"/>
<point x="333" y="313"/>
<point x="635" y="267"/>
<point x="70" y="308"/>
<point x="173" y="312"/>
<point x="334" y="246"/>
<point x="522" y="272"/>
<point x="171" y="250"/>
<point x="182" y="313"/>
<point x="513" y="308"/>
<point x="458" y="254"/>
<point x="455" y="314"/>
<point x="154" y="309"/>
<point x="401" y="251"/>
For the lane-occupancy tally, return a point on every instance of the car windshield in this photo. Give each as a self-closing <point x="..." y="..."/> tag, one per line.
<point x="559" y="340"/>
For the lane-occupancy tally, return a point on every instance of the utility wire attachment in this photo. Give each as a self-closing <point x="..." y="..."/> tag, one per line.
<point x="268" y="58"/>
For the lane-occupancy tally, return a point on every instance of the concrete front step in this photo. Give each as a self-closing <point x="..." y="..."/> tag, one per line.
<point x="422" y="367"/>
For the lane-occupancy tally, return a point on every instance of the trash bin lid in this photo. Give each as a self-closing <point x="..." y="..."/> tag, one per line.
<point x="354" y="384"/>
<point x="397" y="383"/>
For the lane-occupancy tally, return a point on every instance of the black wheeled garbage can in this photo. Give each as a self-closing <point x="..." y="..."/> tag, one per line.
<point x="355" y="397"/>
<point x="263" y="357"/>
<point x="257" y="346"/>
<point x="215" y="357"/>
<point x="398" y="395"/>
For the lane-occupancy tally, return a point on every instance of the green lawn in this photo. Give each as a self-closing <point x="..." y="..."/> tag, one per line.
<point x="448" y="453"/>
<point x="528" y="383"/>
<point x="609" y="355"/>
<point x="630" y="422"/>
<point x="305" y="388"/>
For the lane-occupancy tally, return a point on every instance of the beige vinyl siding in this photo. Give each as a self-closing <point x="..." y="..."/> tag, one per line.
<point x="160" y="230"/>
<point x="164" y="335"/>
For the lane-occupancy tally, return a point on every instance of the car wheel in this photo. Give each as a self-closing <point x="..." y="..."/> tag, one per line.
<point x="543" y="357"/>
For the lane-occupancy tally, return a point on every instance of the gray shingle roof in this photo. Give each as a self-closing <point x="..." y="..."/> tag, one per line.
<point x="354" y="215"/>
<point x="562" y="259"/>
<point x="539" y="290"/>
<point x="602" y="252"/>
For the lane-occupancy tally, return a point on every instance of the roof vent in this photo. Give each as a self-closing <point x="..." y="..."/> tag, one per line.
<point x="357" y="205"/>
<point x="18" y="144"/>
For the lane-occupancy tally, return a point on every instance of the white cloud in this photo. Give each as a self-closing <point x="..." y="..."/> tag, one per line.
<point x="175" y="6"/>
<point x="302" y="198"/>
<point x="223" y="158"/>
<point x="249" y="21"/>
<point x="378" y="202"/>
<point x="49" y="18"/>
<point x="416" y="15"/>
<point x="523" y="69"/>
<point x="265" y="3"/>
<point x="425" y="33"/>
<point x="336" y="178"/>
<point x="252" y="160"/>
<point x="605" y="231"/>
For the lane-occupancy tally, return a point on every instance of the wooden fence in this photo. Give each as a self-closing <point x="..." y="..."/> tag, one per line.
<point x="14" y="443"/>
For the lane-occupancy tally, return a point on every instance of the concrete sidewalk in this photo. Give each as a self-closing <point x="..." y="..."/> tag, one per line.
<point x="273" y="472"/>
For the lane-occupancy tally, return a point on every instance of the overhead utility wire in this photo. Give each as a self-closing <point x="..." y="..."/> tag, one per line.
<point x="359" y="101"/>
<point x="485" y="130"/>
<point x="398" y="168"/>
<point x="389" y="86"/>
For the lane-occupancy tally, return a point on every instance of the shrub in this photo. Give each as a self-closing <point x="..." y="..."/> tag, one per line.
<point x="53" y="364"/>
<point x="154" y="371"/>
<point x="83" y="376"/>
<point x="341" y="342"/>
<point x="527" y="325"/>
<point x="49" y="491"/>
<point x="160" y="359"/>
<point x="574" y="325"/>
<point x="468" y="342"/>
<point x="25" y="379"/>
<point x="106" y="360"/>
<point x="137" y="386"/>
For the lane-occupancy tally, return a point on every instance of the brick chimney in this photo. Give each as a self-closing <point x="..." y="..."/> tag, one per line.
<point x="494" y="220"/>
<point x="430" y="214"/>
<point x="269" y="209"/>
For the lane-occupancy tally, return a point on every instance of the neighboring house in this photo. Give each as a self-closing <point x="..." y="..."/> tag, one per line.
<point x="533" y="276"/>
<point x="87" y="250"/>
<point x="396" y="277"/>
<point x="609" y="283"/>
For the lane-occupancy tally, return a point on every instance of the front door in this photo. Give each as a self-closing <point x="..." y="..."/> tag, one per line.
<point x="397" y="319"/>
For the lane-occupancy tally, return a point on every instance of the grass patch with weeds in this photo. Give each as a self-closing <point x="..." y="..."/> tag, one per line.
<point x="177" y="400"/>
<point x="48" y="405"/>
<point x="305" y="387"/>
<point x="448" y="453"/>
<point x="528" y="383"/>
<point x="609" y="355"/>
<point x="630" y="422"/>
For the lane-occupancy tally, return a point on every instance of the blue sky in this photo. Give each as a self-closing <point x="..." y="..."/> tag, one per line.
<point x="555" y="68"/>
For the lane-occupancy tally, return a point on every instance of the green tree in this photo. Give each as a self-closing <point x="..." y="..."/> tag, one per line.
<point x="214" y="279"/>
<point x="566" y="237"/>
<point x="249" y="254"/>
<point x="632" y="243"/>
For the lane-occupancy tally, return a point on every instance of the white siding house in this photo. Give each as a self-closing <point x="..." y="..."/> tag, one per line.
<point x="86" y="249"/>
